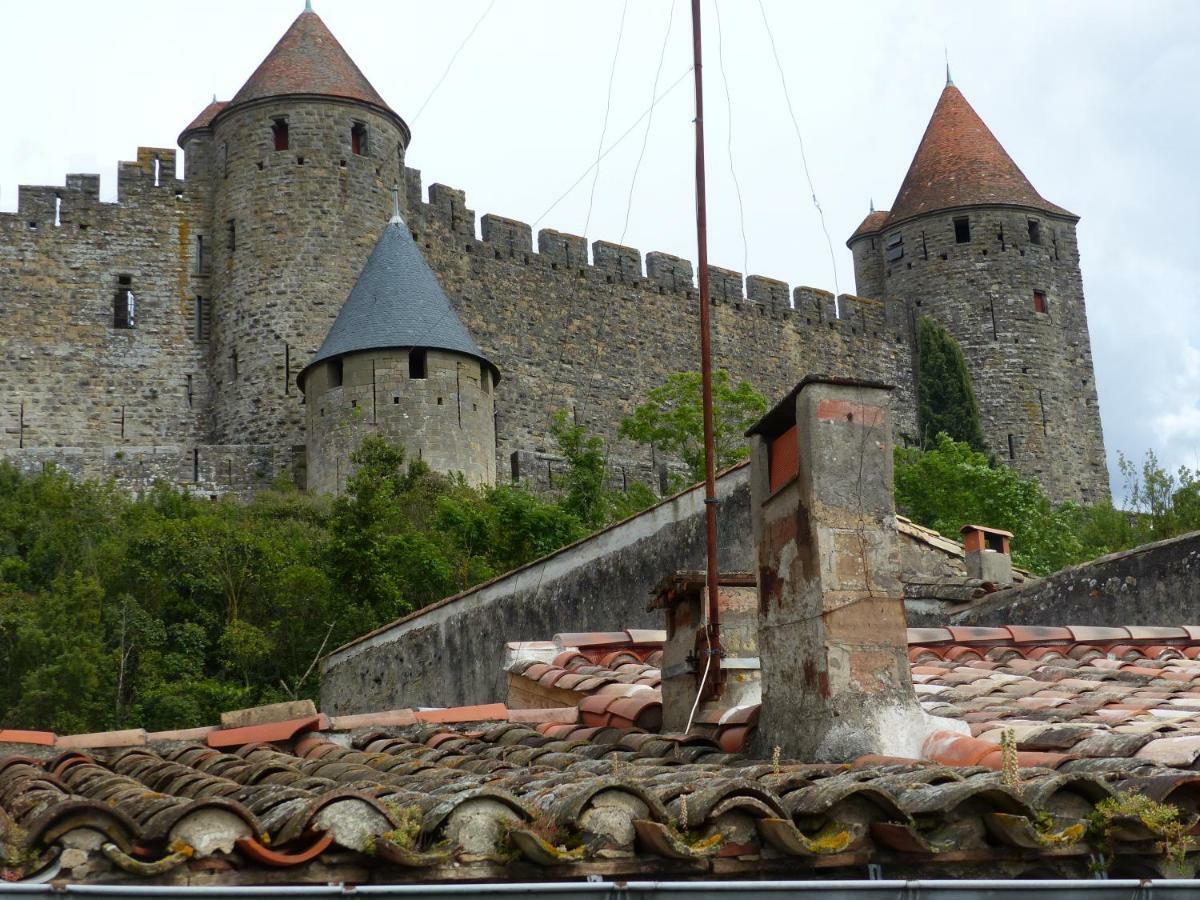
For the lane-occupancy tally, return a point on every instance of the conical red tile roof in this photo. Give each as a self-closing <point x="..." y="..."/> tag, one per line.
<point x="205" y="118"/>
<point x="960" y="163"/>
<point x="309" y="60"/>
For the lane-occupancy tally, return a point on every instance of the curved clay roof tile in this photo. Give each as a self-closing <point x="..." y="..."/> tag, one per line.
<point x="309" y="60"/>
<point x="960" y="163"/>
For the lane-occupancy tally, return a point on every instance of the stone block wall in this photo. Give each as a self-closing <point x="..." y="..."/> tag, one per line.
<point x="593" y="335"/>
<point x="68" y="377"/>
<point x="445" y="418"/>
<point x="1031" y="370"/>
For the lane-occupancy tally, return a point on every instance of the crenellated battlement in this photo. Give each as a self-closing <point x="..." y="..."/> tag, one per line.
<point x="510" y="239"/>
<point x="149" y="178"/>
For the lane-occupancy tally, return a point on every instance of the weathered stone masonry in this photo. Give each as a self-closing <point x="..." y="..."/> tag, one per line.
<point x="238" y="270"/>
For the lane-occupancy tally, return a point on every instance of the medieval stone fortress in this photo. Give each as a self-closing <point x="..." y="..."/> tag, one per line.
<point x="261" y="315"/>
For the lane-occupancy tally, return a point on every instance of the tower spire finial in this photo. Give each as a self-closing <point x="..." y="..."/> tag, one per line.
<point x="872" y="204"/>
<point x="949" y="80"/>
<point x="396" y="219"/>
<point x="308" y="5"/>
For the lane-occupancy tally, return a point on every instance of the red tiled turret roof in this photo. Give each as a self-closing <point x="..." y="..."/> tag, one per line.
<point x="309" y="60"/>
<point x="205" y="118"/>
<point x="960" y="163"/>
<point x="872" y="224"/>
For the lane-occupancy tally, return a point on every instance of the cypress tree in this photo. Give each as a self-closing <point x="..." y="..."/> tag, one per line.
<point x="945" y="399"/>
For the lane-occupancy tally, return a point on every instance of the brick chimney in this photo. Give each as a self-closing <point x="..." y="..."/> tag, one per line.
<point x="988" y="556"/>
<point x="831" y="629"/>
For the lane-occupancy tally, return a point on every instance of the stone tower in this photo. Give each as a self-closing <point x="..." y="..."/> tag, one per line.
<point x="294" y="176"/>
<point x="398" y="363"/>
<point x="971" y="243"/>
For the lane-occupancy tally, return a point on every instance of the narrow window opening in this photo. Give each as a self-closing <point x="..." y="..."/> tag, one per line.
<point x="1054" y="238"/>
<point x="232" y="235"/>
<point x="1042" y="405"/>
<point x="225" y="160"/>
<point x="484" y="381"/>
<point x="1035" y="231"/>
<point x="58" y="210"/>
<point x="279" y="132"/>
<point x="124" y="304"/>
<point x="895" y="247"/>
<point x="196" y="464"/>
<point x="233" y="364"/>
<point x="995" y="330"/>
<point x="189" y="391"/>
<point x="354" y="404"/>
<point x="924" y="247"/>
<point x="287" y="367"/>
<point x="201" y="262"/>
<point x="396" y="401"/>
<point x="1039" y="302"/>
<point x="439" y="401"/>
<point x="157" y="170"/>
<point x="417" y="367"/>
<point x="358" y="139"/>
<point x="299" y="160"/>
<point x="962" y="230"/>
<point x="1003" y="245"/>
<point x="1012" y="448"/>
<point x="336" y="372"/>
<point x="200" y="326"/>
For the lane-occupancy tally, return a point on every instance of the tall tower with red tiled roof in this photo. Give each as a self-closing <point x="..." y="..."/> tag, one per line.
<point x="971" y="243"/>
<point x="295" y="176"/>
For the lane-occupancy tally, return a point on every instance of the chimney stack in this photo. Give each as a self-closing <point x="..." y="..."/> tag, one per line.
<point x="987" y="554"/>
<point x="831" y="631"/>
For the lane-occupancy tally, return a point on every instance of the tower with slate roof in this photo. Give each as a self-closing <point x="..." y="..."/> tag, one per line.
<point x="970" y="243"/>
<point x="399" y="364"/>
<point x="295" y="175"/>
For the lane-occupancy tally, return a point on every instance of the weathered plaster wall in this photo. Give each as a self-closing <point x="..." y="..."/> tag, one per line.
<point x="1156" y="584"/>
<point x="451" y="654"/>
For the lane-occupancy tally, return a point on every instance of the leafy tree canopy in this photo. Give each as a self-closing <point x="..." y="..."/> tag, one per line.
<point x="672" y="420"/>
<point x="945" y="398"/>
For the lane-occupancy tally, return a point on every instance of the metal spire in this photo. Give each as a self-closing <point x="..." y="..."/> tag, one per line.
<point x="396" y="219"/>
<point x="308" y="5"/>
<point x="949" y="80"/>
<point x="872" y="204"/>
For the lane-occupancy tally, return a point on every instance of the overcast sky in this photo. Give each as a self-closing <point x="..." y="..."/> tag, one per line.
<point x="1096" y="101"/>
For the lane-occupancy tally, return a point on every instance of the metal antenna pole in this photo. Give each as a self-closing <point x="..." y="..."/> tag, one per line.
<point x="710" y="466"/>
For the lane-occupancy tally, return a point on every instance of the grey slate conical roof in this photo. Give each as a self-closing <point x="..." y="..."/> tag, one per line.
<point x="396" y="302"/>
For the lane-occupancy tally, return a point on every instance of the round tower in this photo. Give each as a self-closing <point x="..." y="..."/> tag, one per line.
<point x="971" y="243"/>
<point x="399" y="364"/>
<point x="300" y="162"/>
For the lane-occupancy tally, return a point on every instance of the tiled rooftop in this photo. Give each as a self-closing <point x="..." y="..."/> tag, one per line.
<point x="591" y="787"/>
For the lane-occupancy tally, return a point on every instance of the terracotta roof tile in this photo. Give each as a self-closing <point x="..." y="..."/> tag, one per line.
<point x="205" y="118"/>
<point x="309" y="60"/>
<point x="959" y="163"/>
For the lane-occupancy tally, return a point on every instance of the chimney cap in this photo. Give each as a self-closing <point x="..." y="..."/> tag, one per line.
<point x="966" y="529"/>
<point x="782" y="415"/>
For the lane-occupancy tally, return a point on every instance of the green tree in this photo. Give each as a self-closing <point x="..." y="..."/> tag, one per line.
<point x="672" y="420"/>
<point x="951" y="485"/>
<point x="945" y="399"/>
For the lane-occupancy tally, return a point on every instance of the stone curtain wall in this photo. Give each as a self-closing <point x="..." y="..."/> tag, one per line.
<point x="205" y="470"/>
<point x="593" y="337"/>
<point x="1032" y="371"/>
<point x="68" y="378"/>
<point x="585" y="330"/>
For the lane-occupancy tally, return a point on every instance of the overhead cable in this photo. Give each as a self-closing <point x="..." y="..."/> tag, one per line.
<point x="612" y="73"/>
<point x="454" y="57"/>
<point x="803" y="156"/>
<point x="729" y="141"/>
<point x="662" y="57"/>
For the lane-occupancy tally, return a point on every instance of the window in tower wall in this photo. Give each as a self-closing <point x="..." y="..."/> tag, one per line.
<point x="124" y="305"/>
<point x="417" y="367"/>
<point x="279" y="131"/>
<point x="962" y="230"/>
<point x="895" y="247"/>
<point x="1039" y="302"/>
<point x="358" y="139"/>
<point x="1035" y="231"/>
<point x="336" y="373"/>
